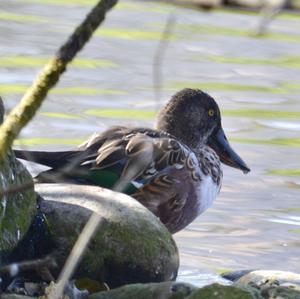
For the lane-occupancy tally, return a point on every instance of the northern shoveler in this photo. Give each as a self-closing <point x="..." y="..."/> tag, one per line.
<point x="174" y="170"/>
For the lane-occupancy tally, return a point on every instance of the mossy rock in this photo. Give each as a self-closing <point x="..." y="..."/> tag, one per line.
<point x="17" y="200"/>
<point x="130" y="245"/>
<point x="166" y="290"/>
<point x="15" y="296"/>
<point x="272" y="284"/>
<point x="172" y="290"/>
<point x="217" y="291"/>
<point x="261" y="277"/>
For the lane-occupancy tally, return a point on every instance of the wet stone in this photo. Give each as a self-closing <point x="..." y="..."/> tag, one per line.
<point x="166" y="290"/>
<point x="273" y="284"/>
<point x="17" y="201"/>
<point x="130" y="245"/>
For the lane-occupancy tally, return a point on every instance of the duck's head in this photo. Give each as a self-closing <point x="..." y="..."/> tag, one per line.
<point x="193" y="117"/>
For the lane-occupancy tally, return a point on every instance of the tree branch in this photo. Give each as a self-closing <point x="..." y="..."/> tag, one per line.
<point x="49" y="76"/>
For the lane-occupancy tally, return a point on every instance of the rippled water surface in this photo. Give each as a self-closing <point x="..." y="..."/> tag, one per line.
<point x="255" y="221"/>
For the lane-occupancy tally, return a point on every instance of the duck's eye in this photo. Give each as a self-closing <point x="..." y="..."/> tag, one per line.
<point x="211" y="112"/>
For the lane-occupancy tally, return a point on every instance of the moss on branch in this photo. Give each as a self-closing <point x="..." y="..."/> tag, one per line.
<point x="50" y="75"/>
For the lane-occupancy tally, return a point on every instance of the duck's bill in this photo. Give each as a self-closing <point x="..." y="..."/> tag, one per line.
<point x="219" y="143"/>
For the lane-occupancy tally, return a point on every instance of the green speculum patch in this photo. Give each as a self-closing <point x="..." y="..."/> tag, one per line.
<point x="121" y="113"/>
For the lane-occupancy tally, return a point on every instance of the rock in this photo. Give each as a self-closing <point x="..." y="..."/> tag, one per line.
<point x="295" y="4"/>
<point x="130" y="245"/>
<point x="172" y="290"/>
<point x="257" y="4"/>
<point x="165" y="290"/>
<point x="235" y="275"/>
<point x="204" y="4"/>
<point x="273" y="284"/>
<point x="217" y="291"/>
<point x="14" y="296"/>
<point x="17" y="201"/>
<point x="260" y="277"/>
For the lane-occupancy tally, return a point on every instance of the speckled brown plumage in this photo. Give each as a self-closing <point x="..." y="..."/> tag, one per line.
<point x="175" y="170"/>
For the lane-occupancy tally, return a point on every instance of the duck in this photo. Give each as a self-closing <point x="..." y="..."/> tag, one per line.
<point x="174" y="170"/>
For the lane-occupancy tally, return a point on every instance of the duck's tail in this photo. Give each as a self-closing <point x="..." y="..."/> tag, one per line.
<point x="50" y="159"/>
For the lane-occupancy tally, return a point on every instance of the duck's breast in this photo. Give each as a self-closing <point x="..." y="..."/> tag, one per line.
<point x="206" y="192"/>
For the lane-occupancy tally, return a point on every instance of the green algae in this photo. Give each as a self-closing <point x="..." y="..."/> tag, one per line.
<point x="208" y="30"/>
<point x="34" y="62"/>
<point x="295" y="87"/>
<point x="60" y="115"/>
<point x="47" y="141"/>
<point x="290" y="142"/>
<point x="87" y="91"/>
<point x="64" y="2"/>
<point x="285" y="172"/>
<point x="289" y="210"/>
<point x="263" y="114"/>
<point x="296" y="231"/>
<point x="221" y="271"/>
<point x="7" y="89"/>
<point x="121" y="113"/>
<point x="140" y="7"/>
<point x="288" y="61"/>
<point x="6" y="16"/>
<point x="284" y="15"/>
<point x="226" y="86"/>
<point x="132" y="34"/>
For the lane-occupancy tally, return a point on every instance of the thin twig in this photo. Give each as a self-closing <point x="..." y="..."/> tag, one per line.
<point x="30" y="265"/>
<point x="16" y="189"/>
<point x="75" y="255"/>
<point x="159" y="57"/>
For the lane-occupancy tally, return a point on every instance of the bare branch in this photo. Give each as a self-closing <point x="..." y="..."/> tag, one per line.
<point x="30" y="265"/>
<point x="159" y="56"/>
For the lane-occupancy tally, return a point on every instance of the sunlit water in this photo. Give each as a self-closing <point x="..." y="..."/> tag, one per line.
<point x="255" y="222"/>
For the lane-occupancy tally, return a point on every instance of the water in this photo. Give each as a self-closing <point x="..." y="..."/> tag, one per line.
<point x="255" y="221"/>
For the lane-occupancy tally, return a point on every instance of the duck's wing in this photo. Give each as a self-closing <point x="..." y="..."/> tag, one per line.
<point x="152" y="161"/>
<point x="59" y="159"/>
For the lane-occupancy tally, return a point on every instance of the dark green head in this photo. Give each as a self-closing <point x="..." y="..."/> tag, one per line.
<point x="193" y="117"/>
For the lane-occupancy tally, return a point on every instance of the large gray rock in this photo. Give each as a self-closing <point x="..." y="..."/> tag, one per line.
<point x="130" y="245"/>
<point x="17" y="200"/>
